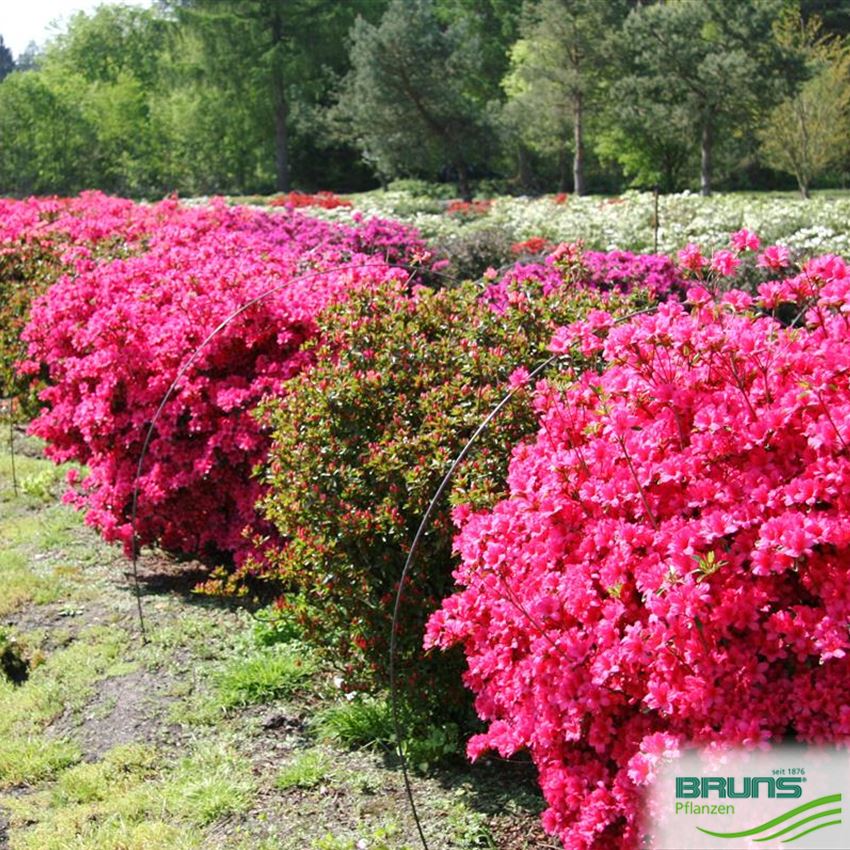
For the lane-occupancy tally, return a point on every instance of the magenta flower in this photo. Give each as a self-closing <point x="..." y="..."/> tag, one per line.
<point x="724" y="263"/>
<point x="774" y="257"/>
<point x="744" y="240"/>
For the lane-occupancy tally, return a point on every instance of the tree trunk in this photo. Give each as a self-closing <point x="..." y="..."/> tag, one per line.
<point x="281" y="107"/>
<point x="578" y="146"/>
<point x="562" y="169"/>
<point x="804" y="190"/>
<point x="463" y="181"/>
<point x="705" y="158"/>
<point x="524" y="176"/>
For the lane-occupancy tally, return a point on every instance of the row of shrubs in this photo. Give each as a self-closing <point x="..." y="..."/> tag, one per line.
<point x="649" y="538"/>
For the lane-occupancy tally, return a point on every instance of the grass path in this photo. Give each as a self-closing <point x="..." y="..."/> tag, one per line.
<point x="204" y="738"/>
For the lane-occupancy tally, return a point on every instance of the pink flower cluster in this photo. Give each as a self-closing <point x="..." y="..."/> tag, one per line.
<point x="81" y="223"/>
<point x="111" y="336"/>
<point x="671" y="565"/>
<point x="605" y="271"/>
<point x="726" y="262"/>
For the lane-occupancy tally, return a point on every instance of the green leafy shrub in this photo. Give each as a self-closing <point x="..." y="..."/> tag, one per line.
<point x="361" y="442"/>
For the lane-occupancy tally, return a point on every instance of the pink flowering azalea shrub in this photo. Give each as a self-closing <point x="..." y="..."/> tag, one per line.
<point x="43" y="238"/>
<point x="570" y="265"/>
<point x="672" y="563"/>
<point x="111" y="335"/>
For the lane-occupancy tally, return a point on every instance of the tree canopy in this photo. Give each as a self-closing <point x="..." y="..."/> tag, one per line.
<point x="252" y="96"/>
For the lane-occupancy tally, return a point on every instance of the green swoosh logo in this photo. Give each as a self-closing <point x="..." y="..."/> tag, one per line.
<point x="821" y="801"/>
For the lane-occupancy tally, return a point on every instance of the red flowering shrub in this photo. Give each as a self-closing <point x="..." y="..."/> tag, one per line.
<point x="361" y="441"/>
<point x="535" y="245"/>
<point x="468" y="209"/>
<point x="325" y="200"/>
<point x="111" y="337"/>
<point x="671" y="565"/>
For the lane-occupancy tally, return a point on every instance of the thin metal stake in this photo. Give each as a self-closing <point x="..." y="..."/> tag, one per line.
<point x="655" y="223"/>
<point x="12" y="445"/>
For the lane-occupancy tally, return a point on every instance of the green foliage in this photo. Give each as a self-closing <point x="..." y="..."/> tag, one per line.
<point x="26" y="270"/>
<point x="692" y="76"/>
<point x="472" y="252"/>
<point x="46" y="139"/>
<point x="278" y="624"/>
<point x="558" y="68"/>
<point x="7" y="61"/>
<point x="360" y="444"/>
<point x="245" y="96"/>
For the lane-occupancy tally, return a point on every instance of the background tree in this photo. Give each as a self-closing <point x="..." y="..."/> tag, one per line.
<point x="46" y="140"/>
<point x="808" y="132"/>
<point x="413" y="98"/>
<point x="7" y="61"/>
<point x="269" y="61"/>
<point x="717" y="59"/>
<point x="558" y="68"/>
<point x="30" y="59"/>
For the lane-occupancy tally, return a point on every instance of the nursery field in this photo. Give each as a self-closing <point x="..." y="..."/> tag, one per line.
<point x="625" y="222"/>
<point x="642" y="545"/>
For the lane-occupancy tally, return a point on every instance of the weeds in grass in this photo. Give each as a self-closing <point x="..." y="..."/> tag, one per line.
<point x="368" y="721"/>
<point x="122" y="802"/>
<point x="62" y="682"/>
<point x="384" y="837"/>
<point x="31" y="759"/>
<point x="121" y="769"/>
<point x="39" y="486"/>
<point x="468" y="828"/>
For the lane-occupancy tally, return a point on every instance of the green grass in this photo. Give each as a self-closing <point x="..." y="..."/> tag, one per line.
<point x="63" y="682"/>
<point x="212" y="783"/>
<point x="383" y="837"/>
<point x="309" y="769"/>
<point x="130" y="801"/>
<point x="19" y="585"/>
<point x="33" y="758"/>
<point x="216" y="785"/>
<point x="263" y="677"/>
<point x="362" y="722"/>
<point x="120" y="770"/>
